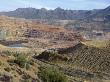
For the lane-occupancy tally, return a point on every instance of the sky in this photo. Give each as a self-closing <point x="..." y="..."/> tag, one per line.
<point x="8" y="5"/>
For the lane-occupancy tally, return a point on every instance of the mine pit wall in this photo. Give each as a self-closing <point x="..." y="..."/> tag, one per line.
<point x="52" y="35"/>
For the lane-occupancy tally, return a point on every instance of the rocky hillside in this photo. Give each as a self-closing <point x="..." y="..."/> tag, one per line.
<point x="101" y="15"/>
<point x="58" y="13"/>
<point x="81" y="61"/>
<point x="35" y="33"/>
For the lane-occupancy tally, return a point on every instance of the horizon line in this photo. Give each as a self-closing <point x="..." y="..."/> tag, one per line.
<point x="50" y="9"/>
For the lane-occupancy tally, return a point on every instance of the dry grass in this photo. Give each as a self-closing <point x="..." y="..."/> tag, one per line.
<point x="96" y="43"/>
<point x="14" y="69"/>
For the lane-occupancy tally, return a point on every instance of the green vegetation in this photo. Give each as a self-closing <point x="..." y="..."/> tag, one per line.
<point x="11" y="53"/>
<point x="8" y="53"/>
<point x="21" y="60"/>
<point x="52" y="75"/>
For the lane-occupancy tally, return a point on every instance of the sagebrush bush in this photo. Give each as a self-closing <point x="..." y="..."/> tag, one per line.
<point x="52" y="75"/>
<point x="21" y="60"/>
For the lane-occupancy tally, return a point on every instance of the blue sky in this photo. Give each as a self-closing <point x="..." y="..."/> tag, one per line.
<point x="7" y="5"/>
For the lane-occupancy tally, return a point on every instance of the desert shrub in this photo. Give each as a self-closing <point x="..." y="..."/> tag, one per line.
<point x="16" y="54"/>
<point x="31" y="62"/>
<point x="7" y="69"/>
<point x="22" y="61"/>
<point x="8" y="53"/>
<point x="51" y="75"/>
<point x="27" y="66"/>
<point x="11" y="53"/>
